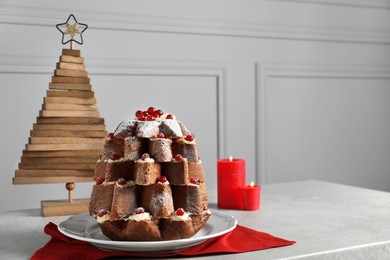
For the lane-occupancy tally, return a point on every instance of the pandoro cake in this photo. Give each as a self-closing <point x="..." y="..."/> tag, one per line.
<point x="150" y="183"/>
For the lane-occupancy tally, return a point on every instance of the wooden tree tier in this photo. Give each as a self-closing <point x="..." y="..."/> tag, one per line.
<point x="69" y="133"/>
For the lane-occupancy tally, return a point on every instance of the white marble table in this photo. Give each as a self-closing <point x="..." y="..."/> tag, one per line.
<point x="328" y="221"/>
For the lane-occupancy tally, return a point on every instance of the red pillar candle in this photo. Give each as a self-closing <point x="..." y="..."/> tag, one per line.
<point x="251" y="197"/>
<point x="231" y="178"/>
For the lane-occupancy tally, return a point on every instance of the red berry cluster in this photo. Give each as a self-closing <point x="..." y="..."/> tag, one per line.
<point x="149" y="115"/>
<point x="139" y="210"/>
<point x="115" y="156"/>
<point x="178" y="158"/>
<point x="122" y="181"/>
<point x="102" y="212"/>
<point x="180" y="212"/>
<point x="145" y="156"/>
<point x="99" y="180"/>
<point x="194" y="181"/>
<point x="163" y="179"/>
<point x="190" y="137"/>
<point x="160" y="135"/>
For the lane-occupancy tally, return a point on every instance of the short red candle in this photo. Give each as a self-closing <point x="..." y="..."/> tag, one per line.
<point x="251" y="197"/>
<point x="231" y="178"/>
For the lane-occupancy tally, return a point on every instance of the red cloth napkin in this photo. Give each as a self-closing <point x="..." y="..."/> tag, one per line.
<point x="240" y="240"/>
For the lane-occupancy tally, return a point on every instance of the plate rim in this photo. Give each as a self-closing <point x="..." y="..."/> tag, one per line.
<point x="102" y="244"/>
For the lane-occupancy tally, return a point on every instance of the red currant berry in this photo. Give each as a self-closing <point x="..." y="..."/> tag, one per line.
<point x="145" y="156"/>
<point x="163" y="179"/>
<point x="139" y="210"/>
<point x="151" y="110"/>
<point x="169" y="116"/>
<point x="178" y="158"/>
<point x="160" y="135"/>
<point x="110" y="136"/>
<point x="190" y="138"/>
<point x="121" y="181"/>
<point x="99" y="180"/>
<point x="150" y="118"/>
<point x="114" y="156"/>
<point x="141" y="117"/>
<point x="194" y="181"/>
<point x="139" y="112"/>
<point x="180" y="212"/>
<point x="159" y="112"/>
<point x="145" y="113"/>
<point x="101" y="213"/>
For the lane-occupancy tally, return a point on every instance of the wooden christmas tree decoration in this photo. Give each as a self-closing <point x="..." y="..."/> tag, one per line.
<point x="69" y="133"/>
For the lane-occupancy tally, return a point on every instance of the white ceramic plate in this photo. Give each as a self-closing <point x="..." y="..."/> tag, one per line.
<point x="85" y="228"/>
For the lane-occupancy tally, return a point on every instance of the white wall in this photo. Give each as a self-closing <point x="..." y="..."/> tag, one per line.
<point x="300" y="89"/>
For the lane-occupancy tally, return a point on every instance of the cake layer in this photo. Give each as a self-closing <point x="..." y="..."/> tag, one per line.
<point x="131" y="230"/>
<point x="124" y="201"/>
<point x="172" y="229"/>
<point x="147" y="129"/>
<point x="181" y="172"/>
<point x="192" y="198"/>
<point x="100" y="170"/>
<point x="146" y="173"/>
<point x="117" y="169"/>
<point x="101" y="197"/>
<point x="113" y="146"/>
<point x="188" y="150"/>
<point x="157" y="199"/>
<point x="160" y="149"/>
<point x="134" y="147"/>
<point x="153" y="229"/>
<point x="171" y="128"/>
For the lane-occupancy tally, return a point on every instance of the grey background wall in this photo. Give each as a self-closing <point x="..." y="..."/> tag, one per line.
<point x="300" y="89"/>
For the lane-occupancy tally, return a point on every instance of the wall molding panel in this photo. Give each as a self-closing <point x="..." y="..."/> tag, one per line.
<point x="378" y="4"/>
<point x="266" y="71"/>
<point x="32" y="16"/>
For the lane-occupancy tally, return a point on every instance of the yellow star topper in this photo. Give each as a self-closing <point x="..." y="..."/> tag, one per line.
<point x="74" y="30"/>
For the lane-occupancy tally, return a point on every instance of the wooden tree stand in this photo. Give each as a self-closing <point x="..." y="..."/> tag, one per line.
<point x="64" y="207"/>
<point x="67" y="138"/>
